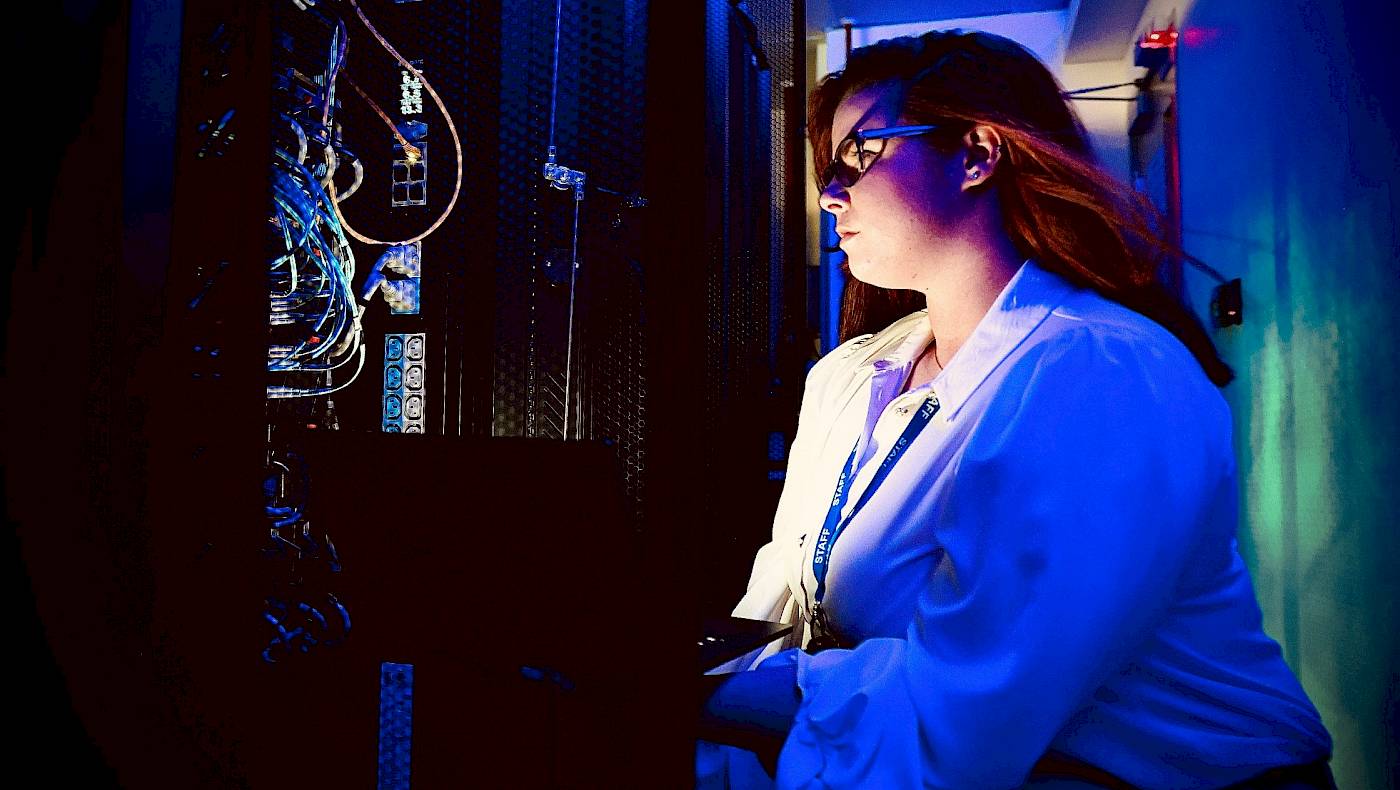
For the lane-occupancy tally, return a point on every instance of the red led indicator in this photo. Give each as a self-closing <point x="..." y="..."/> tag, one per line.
<point x="1159" y="39"/>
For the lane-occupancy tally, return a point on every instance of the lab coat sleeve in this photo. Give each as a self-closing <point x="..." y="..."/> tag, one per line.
<point x="1077" y="501"/>
<point x="767" y="596"/>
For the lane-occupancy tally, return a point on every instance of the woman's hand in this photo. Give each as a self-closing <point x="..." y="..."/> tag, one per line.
<point x="751" y="710"/>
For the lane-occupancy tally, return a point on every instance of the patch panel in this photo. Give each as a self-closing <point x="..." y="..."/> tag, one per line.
<point x="410" y="177"/>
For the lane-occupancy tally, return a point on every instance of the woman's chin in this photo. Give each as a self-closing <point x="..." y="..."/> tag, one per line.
<point x="858" y="269"/>
<point x="870" y="275"/>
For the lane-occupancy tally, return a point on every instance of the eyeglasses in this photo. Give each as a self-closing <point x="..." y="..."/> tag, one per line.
<point x="855" y="154"/>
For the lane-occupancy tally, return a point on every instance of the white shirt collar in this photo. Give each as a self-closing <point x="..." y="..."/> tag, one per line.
<point x="1025" y="301"/>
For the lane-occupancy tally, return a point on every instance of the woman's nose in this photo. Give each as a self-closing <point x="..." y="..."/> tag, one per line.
<point x="834" y="198"/>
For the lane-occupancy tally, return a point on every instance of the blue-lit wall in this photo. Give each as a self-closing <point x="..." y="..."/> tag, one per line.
<point x="1290" y="182"/>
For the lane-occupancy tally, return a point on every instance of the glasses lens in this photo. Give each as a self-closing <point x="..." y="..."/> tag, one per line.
<point x="851" y="161"/>
<point x="831" y="173"/>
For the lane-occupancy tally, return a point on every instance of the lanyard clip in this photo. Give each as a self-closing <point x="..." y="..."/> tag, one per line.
<point x="823" y="637"/>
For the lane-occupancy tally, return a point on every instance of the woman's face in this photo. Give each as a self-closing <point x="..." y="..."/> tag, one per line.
<point x="898" y="218"/>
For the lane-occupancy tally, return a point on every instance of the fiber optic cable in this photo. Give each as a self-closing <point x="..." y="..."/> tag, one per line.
<point x="451" y="128"/>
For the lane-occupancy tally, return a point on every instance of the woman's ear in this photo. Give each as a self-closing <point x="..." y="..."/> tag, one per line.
<point x="982" y="149"/>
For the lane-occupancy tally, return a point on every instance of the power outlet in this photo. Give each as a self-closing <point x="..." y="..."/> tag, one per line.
<point x="1227" y="304"/>
<point x="405" y="403"/>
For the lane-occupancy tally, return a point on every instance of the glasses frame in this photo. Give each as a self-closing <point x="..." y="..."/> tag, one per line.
<point x="861" y="136"/>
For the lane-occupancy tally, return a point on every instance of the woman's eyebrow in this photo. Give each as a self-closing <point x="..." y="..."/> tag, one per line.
<point x="860" y="123"/>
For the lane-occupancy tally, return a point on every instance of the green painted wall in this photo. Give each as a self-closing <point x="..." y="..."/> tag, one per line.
<point x="1291" y="180"/>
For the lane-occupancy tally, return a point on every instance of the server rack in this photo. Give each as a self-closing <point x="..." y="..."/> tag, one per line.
<point x="229" y="665"/>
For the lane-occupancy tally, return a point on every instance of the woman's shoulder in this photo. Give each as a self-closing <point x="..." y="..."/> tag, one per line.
<point x="1084" y="377"/>
<point x="1101" y="345"/>
<point x="865" y="349"/>
<point x="1087" y="317"/>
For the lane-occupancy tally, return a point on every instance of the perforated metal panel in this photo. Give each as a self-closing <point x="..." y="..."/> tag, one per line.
<point x="778" y="31"/>
<point x="753" y="353"/>
<point x="553" y="377"/>
<point x="756" y="257"/>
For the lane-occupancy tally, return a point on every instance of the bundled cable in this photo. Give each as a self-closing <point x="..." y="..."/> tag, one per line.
<point x="315" y="315"/>
<point x="317" y="345"/>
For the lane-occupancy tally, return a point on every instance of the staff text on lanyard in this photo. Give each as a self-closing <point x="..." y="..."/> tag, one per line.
<point x="834" y="524"/>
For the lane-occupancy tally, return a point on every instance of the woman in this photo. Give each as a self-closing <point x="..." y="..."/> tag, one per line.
<point x="1033" y="576"/>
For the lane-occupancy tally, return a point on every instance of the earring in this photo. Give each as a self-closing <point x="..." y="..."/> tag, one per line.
<point x="976" y="174"/>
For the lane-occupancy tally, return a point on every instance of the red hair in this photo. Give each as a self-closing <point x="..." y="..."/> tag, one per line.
<point x="1059" y="206"/>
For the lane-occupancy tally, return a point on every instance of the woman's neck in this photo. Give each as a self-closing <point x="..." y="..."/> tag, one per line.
<point x="926" y="368"/>
<point x="962" y="291"/>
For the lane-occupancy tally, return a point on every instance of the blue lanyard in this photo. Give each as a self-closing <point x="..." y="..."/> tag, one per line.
<point x="834" y="526"/>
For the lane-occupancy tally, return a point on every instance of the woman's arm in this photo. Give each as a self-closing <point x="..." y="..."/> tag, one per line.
<point x="751" y="710"/>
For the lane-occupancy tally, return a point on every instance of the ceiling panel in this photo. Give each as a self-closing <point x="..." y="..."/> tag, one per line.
<point x="823" y="15"/>
<point x="1103" y="30"/>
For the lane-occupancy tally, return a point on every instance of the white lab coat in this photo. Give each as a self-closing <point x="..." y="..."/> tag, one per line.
<point x="1050" y="565"/>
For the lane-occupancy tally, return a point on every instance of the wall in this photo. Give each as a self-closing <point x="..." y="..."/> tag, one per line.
<point x="1290" y="172"/>
<point x="1044" y="33"/>
<point x="1105" y="121"/>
